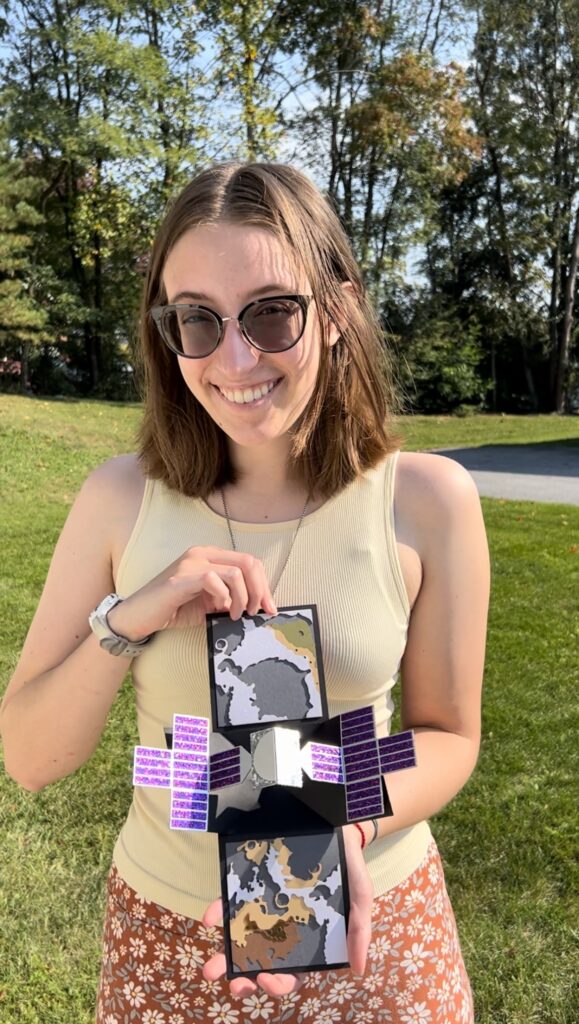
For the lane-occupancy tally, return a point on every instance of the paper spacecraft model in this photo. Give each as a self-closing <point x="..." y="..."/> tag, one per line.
<point x="275" y="777"/>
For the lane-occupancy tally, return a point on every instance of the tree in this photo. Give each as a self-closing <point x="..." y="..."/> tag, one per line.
<point x="525" y="80"/>
<point x="388" y="122"/>
<point x="246" y="38"/>
<point x="96" y="96"/>
<point x="22" y="314"/>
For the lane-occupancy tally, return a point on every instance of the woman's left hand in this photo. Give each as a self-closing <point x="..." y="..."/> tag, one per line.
<point x="359" y="930"/>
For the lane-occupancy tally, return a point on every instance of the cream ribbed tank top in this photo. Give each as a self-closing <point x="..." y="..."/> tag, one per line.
<point x="344" y="561"/>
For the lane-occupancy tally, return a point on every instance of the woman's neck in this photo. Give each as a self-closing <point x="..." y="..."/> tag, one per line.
<point x="265" y="490"/>
<point x="263" y="473"/>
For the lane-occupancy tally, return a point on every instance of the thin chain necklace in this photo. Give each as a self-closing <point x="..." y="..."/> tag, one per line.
<point x="297" y="530"/>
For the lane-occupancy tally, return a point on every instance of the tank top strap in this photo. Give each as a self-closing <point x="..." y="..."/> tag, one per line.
<point x="390" y="466"/>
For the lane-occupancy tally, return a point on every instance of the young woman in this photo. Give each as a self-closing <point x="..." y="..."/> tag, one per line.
<point x="268" y="474"/>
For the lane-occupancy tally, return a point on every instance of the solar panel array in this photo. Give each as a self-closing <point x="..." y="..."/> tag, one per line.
<point x="184" y="770"/>
<point x="190" y="774"/>
<point x="362" y="769"/>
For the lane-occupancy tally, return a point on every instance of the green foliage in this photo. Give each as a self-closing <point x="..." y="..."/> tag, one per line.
<point x="389" y="123"/>
<point x="99" y="106"/>
<point x="525" y="102"/>
<point x="22" y="316"/>
<point x="470" y="168"/>
<point x="438" y="362"/>
<point x="246" y="35"/>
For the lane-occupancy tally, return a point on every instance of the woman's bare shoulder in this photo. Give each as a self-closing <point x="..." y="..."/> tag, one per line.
<point x="433" y="472"/>
<point x="430" y="491"/>
<point x="115" y="490"/>
<point x="122" y="472"/>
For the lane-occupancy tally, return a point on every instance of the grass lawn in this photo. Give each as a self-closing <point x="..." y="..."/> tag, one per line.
<point x="508" y="839"/>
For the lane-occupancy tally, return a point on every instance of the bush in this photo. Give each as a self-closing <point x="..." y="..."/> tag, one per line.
<point x="438" y="366"/>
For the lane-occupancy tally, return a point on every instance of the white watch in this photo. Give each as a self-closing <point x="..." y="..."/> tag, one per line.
<point x="107" y="638"/>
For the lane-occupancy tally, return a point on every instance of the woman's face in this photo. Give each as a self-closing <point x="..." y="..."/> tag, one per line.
<point x="225" y="266"/>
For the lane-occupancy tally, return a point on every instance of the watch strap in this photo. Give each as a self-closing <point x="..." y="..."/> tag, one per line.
<point x="110" y="641"/>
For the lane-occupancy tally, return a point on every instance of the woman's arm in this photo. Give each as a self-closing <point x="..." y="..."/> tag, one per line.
<point x="442" y="667"/>
<point x="57" y="701"/>
<point x="56" y="704"/>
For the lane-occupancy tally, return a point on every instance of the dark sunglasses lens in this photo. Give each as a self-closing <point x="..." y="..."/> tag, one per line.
<point x="274" y="326"/>
<point x="191" y="331"/>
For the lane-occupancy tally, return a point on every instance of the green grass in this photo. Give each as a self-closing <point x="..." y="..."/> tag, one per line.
<point x="508" y="839"/>
<point x="422" y="432"/>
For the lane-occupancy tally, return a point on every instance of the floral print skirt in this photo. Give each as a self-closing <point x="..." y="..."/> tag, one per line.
<point x="152" y="966"/>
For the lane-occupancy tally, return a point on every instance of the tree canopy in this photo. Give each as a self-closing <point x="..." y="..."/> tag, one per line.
<point x="445" y="134"/>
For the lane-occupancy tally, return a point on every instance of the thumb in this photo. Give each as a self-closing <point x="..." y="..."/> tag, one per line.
<point x="214" y="914"/>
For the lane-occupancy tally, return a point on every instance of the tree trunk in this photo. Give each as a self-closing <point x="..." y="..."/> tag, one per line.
<point x="567" y="326"/>
<point x="248" y="84"/>
<point x="98" y="305"/>
<point x="25" y="368"/>
<point x="554" y="310"/>
<point x="494" y="374"/>
<point x="90" y="348"/>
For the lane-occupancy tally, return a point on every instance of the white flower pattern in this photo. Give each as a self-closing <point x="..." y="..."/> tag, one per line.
<point x="153" y="960"/>
<point x="258" y="1007"/>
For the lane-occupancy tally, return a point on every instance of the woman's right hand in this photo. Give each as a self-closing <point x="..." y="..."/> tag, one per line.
<point x="202" y="580"/>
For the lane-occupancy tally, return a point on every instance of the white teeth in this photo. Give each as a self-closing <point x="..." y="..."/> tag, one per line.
<point x="249" y="395"/>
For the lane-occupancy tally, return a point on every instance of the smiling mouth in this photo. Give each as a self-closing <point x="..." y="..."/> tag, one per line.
<point x="249" y="396"/>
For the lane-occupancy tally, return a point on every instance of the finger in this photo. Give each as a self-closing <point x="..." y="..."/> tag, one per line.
<point x="359" y="935"/>
<point x="233" y="577"/>
<point x="258" y="589"/>
<point x="214" y="914"/>
<point x="278" y="985"/>
<point x="212" y="583"/>
<point x="240" y="987"/>
<point x="215" y="967"/>
<point x="253" y="587"/>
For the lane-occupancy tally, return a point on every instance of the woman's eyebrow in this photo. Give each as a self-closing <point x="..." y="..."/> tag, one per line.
<point x="275" y="286"/>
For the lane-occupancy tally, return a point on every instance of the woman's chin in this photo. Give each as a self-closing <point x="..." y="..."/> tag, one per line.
<point x="256" y="438"/>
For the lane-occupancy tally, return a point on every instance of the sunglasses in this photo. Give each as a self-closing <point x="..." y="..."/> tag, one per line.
<point x="270" y="325"/>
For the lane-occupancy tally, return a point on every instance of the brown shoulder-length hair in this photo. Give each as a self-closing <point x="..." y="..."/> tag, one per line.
<point x="346" y="427"/>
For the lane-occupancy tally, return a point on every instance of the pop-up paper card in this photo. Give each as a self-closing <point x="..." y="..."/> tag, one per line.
<point x="275" y="779"/>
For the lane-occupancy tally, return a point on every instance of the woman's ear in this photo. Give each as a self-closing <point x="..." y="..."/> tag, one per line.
<point x="334" y="328"/>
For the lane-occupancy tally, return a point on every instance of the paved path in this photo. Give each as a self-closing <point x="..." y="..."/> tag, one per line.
<point x="523" y="472"/>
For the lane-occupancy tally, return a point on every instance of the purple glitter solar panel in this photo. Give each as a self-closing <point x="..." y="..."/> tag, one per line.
<point x="364" y="799"/>
<point x="225" y="769"/>
<point x="354" y="723"/>
<point x="362" y="769"/>
<point x="326" y="763"/>
<point x="371" y="766"/>
<point x="354" y="751"/>
<point x="184" y="769"/>
<point x="152" y="767"/>
<point x="190" y="775"/>
<point x="189" y="810"/>
<point x="397" y="752"/>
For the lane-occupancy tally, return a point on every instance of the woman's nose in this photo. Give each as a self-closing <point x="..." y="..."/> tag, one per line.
<point x="234" y="353"/>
